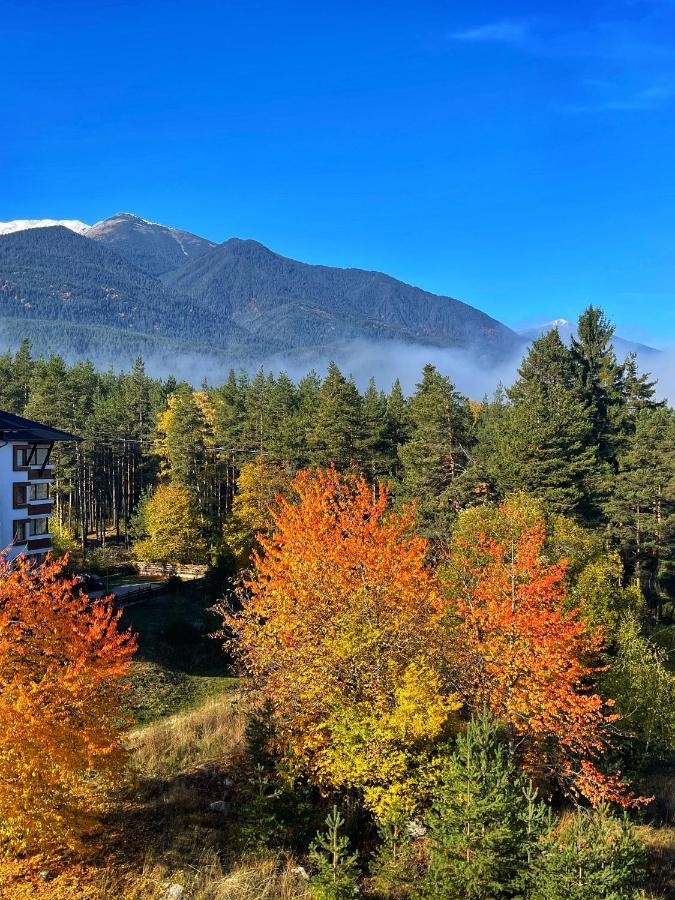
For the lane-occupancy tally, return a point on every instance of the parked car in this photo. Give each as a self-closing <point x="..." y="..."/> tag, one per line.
<point x="90" y="583"/>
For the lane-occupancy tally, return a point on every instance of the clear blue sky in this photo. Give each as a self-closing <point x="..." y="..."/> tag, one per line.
<point x="520" y="156"/>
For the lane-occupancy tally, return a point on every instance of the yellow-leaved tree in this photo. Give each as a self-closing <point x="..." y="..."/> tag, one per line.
<point x="339" y="631"/>
<point x="258" y="485"/>
<point x="63" y="667"/>
<point x="169" y="521"/>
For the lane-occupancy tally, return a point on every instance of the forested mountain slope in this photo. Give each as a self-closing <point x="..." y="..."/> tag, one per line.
<point x="53" y="277"/>
<point x="308" y="305"/>
<point x="129" y="286"/>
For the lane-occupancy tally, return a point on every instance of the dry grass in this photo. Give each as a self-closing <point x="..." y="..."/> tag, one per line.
<point x="273" y="878"/>
<point x="212" y="734"/>
<point x="159" y="829"/>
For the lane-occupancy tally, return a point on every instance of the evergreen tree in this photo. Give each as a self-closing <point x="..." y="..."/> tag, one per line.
<point x="594" y="856"/>
<point x="336" y="875"/>
<point x="398" y="425"/>
<point x="375" y="452"/>
<point x="541" y="442"/>
<point x="437" y="452"/>
<point x="600" y="382"/>
<point x="336" y="435"/>
<point x="642" y="507"/>
<point x="16" y="372"/>
<point x="485" y="822"/>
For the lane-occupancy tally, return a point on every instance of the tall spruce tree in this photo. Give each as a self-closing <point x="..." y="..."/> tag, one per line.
<point x="600" y="380"/>
<point x="542" y="442"/>
<point x="337" y="431"/>
<point x="376" y="454"/>
<point x="441" y="435"/>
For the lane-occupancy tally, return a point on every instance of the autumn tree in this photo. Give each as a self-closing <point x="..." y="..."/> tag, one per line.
<point x="642" y="682"/>
<point x="169" y="528"/>
<point x="63" y="662"/>
<point x="523" y="654"/>
<point x="259" y="483"/>
<point x="339" y="632"/>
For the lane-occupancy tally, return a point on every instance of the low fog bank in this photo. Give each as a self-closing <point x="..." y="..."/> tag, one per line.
<point x="387" y="361"/>
<point x="361" y="360"/>
<point x="471" y="373"/>
<point x="662" y="367"/>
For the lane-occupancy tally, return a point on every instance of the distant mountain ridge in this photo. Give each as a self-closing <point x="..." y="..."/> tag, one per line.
<point x="26" y="224"/>
<point x="566" y="330"/>
<point x="127" y="283"/>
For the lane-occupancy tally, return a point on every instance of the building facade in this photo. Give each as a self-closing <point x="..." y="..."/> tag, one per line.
<point x="26" y="476"/>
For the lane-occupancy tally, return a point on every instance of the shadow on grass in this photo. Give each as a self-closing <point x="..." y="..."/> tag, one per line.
<point x="179" y="663"/>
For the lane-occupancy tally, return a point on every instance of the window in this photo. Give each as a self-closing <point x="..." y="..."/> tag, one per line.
<point x="21" y="455"/>
<point x="30" y="456"/>
<point x="40" y="456"/>
<point x="39" y="526"/>
<point x="20" y="531"/>
<point x="20" y="492"/>
<point x="38" y="491"/>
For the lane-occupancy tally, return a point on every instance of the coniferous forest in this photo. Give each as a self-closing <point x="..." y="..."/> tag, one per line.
<point x="451" y="618"/>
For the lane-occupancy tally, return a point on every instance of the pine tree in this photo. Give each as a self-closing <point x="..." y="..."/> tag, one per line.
<point x="593" y="856"/>
<point x="375" y="452"/>
<point x="642" y="507"/>
<point x="15" y="378"/>
<point x="398" y="425"/>
<point x="542" y="443"/>
<point x="600" y="382"/>
<point x="336" y="877"/>
<point x="437" y="452"/>
<point x="485" y="822"/>
<point x="337" y="430"/>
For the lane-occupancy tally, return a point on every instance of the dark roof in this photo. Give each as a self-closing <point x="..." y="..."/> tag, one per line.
<point x="16" y="428"/>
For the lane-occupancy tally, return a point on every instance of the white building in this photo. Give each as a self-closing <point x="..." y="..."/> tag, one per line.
<point x="26" y="475"/>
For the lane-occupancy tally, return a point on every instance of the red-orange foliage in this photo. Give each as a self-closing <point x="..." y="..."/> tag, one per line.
<point x="63" y="662"/>
<point x="530" y="661"/>
<point x="339" y="605"/>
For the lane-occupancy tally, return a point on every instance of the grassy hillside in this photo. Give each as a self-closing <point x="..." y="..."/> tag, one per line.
<point x="179" y="664"/>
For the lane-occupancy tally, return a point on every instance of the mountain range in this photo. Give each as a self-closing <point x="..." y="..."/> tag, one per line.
<point x="126" y="286"/>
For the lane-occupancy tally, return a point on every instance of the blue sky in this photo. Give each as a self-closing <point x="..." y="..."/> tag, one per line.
<point x="520" y="156"/>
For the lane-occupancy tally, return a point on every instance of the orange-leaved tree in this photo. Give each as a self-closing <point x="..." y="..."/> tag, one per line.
<point x="524" y="654"/>
<point x="63" y="662"/>
<point x="340" y="631"/>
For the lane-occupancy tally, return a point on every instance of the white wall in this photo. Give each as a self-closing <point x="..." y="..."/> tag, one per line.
<point x="7" y="512"/>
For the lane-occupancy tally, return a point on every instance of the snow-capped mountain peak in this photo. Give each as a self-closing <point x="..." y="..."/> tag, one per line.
<point x="24" y="224"/>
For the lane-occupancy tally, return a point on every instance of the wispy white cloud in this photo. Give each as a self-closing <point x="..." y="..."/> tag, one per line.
<point x="503" y="32"/>
<point x="616" y="99"/>
<point x="634" y="65"/>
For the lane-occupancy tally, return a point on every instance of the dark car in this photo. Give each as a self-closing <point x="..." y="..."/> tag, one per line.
<point x="90" y="583"/>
